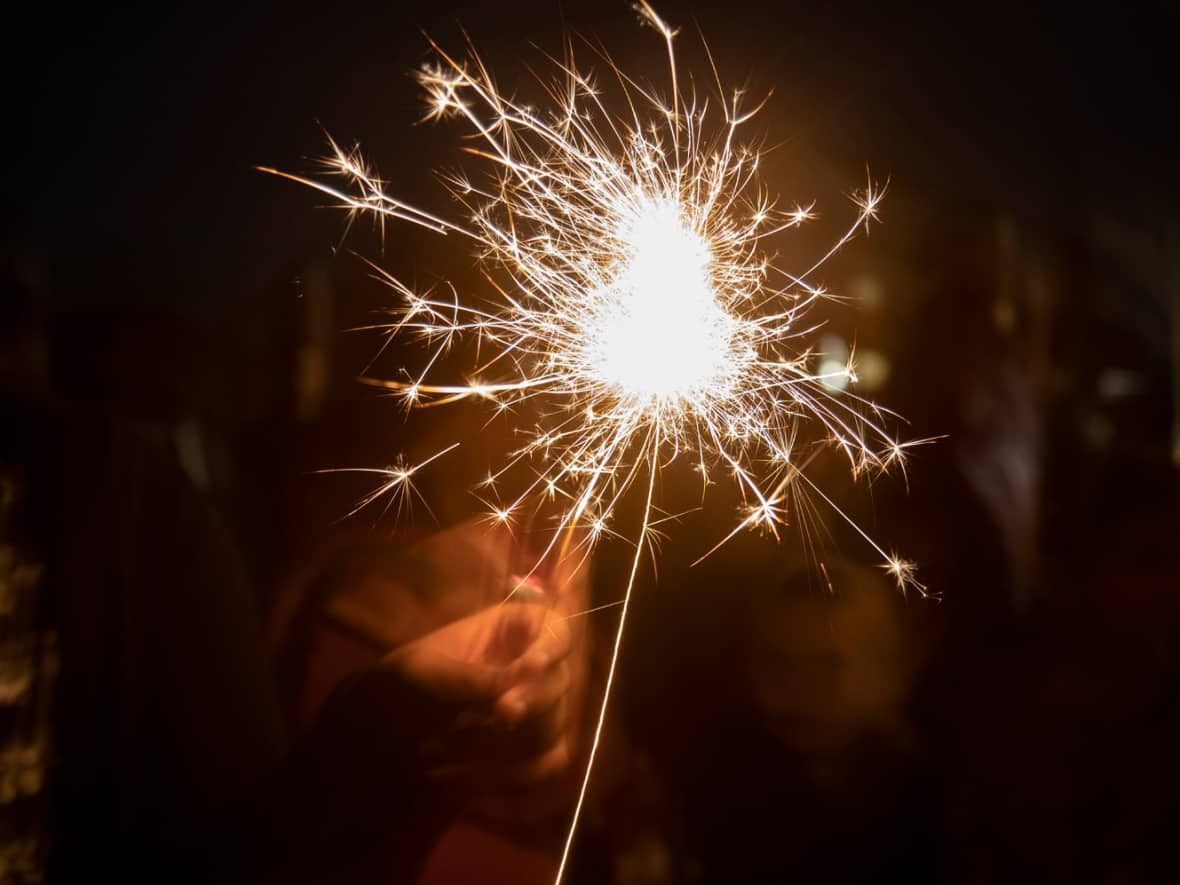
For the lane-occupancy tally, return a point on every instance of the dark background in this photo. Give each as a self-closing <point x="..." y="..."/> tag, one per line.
<point x="1023" y="291"/>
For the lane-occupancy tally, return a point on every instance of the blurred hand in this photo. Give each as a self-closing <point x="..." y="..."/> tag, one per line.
<point x="471" y="708"/>
<point x="485" y="696"/>
<point x="477" y="704"/>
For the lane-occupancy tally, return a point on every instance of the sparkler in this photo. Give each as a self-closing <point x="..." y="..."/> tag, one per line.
<point x="633" y="299"/>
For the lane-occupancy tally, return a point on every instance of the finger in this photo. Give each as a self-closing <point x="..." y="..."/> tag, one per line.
<point x="526" y="721"/>
<point x="534" y="696"/>
<point x="544" y="725"/>
<point x="516" y="629"/>
<point x="486" y="759"/>
<point x="550" y="646"/>
<point x="538" y="768"/>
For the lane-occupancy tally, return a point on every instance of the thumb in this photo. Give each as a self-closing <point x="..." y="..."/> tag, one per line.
<point x="516" y="629"/>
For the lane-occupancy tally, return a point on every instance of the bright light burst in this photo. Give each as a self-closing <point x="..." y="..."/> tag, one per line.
<point x="634" y="299"/>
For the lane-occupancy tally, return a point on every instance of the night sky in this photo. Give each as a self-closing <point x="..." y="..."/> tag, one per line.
<point x="136" y="222"/>
<point x="132" y="136"/>
<point x="1025" y="285"/>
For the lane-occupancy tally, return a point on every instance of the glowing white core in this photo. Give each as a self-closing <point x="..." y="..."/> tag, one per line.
<point x="656" y="332"/>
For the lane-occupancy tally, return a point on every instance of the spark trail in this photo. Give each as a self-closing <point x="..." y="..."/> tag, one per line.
<point x="632" y="299"/>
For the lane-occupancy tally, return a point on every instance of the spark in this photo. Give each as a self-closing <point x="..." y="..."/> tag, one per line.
<point x="397" y="486"/>
<point x="635" y="302"/>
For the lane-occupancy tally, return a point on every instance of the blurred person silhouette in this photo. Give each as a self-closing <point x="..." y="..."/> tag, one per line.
<point x="140" y="726"/>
